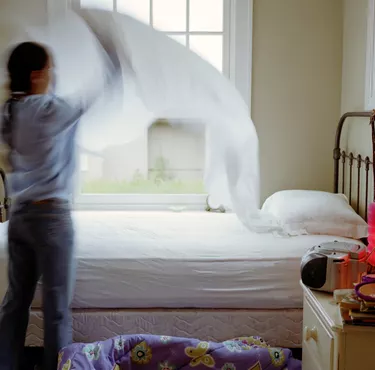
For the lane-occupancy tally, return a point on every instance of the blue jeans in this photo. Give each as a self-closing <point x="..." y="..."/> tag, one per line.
<point x="40" y="244"/>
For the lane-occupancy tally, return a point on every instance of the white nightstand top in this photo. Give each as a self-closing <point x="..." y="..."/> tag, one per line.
<point x="326" y="306"/>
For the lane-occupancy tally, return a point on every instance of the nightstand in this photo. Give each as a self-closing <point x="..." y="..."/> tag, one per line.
<point x="327" y="343"/>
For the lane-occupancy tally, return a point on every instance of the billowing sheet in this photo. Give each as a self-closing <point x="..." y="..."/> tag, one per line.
<point x="128" y="75"/>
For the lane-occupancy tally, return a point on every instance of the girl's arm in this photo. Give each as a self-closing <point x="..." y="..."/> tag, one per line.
<point x="57" y="116"/>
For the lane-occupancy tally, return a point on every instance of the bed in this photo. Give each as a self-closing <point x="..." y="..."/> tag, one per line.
<point x="199" y="275"/>
<point x="149" y="273"/>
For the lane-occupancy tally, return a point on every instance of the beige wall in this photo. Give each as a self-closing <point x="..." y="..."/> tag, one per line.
<point x="34" y="11"/>
<point x="354" y="55"/>
<point x="296" y="91"/>
<point x="354" y="74"/>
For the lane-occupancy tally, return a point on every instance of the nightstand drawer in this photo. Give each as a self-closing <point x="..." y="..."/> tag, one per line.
<point x="317" y="341"/>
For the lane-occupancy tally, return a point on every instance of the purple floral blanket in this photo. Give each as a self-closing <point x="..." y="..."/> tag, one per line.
<point x="148" y="352"/>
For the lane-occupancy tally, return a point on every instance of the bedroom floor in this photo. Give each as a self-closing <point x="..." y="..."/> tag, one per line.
<point x="33" y="357"/>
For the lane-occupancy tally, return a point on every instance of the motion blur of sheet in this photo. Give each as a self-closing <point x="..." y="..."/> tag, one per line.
<point x="141" y="75"/>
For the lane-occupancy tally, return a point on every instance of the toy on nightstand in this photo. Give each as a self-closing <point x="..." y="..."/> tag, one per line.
<point x="357" y="306"/>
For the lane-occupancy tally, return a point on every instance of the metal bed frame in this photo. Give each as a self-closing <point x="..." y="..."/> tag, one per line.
<point x="346" y="161"/>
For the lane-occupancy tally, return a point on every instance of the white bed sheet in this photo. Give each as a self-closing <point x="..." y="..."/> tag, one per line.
<point x="181" y="260"/>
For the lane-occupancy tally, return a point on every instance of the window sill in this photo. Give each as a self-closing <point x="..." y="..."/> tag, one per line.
<point x="142" y="202"/>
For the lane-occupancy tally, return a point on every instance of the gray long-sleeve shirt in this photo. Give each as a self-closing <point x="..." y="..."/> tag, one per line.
<point x="43" y="146"/>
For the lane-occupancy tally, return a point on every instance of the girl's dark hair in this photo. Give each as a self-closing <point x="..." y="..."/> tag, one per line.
<point x="23" y="60"/>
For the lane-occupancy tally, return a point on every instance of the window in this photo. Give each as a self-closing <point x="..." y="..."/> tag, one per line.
<point x="166" y="165"/>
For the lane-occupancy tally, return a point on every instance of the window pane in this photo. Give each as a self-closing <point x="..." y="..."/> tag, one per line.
<point x="206" y="15"/>
<point x="99" y="4"/>
<point x="169" y="15"/>
<point x="116" y="169"/>
<point x="139" y="9"/>
<point x="210" y="48"/>
<point x="84" y="162"/>
<point x="167" y="160"/>
<point x="179" y="38"/>
<point x="176" y="159"/>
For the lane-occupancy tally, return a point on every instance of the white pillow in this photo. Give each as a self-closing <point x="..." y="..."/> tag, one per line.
<point x="303" y="212"/>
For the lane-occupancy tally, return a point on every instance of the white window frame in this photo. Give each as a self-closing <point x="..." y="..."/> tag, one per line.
<point x="370" y="57"/>
<point x="237" y="65"/>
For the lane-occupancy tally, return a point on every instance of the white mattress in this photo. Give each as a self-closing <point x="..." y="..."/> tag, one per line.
<point x="280" y="328"/>
<point x="181" y="260"/>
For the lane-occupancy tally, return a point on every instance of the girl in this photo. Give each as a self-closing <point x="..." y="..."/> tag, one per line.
<point x="40" y="130"/>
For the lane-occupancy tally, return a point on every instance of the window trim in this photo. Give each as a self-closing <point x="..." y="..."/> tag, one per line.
<point x="141" y="202"/>
<point x="238" y="66"/>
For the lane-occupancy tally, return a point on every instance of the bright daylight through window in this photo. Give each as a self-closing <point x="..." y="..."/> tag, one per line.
<point x="167" y="159"/>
